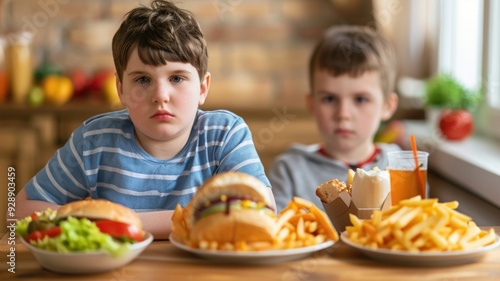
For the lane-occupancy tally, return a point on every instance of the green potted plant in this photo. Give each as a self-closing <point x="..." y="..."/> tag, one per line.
<point x="449" y="105"/>
<point x="442" y="91"/>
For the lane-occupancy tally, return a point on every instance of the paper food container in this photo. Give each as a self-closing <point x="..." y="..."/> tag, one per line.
<point x="370" y="191"/>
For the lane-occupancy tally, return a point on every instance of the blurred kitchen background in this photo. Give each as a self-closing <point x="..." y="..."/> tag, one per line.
<point x="56" y="69"/>
<point x="258" y="57"/>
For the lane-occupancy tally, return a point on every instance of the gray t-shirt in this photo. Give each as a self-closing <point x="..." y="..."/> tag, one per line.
<point x="299" y="170"/>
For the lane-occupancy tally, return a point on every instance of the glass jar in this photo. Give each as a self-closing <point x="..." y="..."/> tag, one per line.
<point x="3" y="72"/>
<point x="20" y="65"/>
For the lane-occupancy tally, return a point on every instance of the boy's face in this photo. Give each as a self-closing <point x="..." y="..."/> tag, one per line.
<point x="162" y="101"/>
<point x="348" y="110"/>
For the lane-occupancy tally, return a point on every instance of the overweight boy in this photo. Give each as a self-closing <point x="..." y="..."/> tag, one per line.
<point x="156" y="152"/>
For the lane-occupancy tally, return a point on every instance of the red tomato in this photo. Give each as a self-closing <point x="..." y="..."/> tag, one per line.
<point x="456" y="124"/>
<point x="37" y="235"/>
<point x="96" y="82"/>
<point x="79" y="79"/>
<point x="119" y="229"/>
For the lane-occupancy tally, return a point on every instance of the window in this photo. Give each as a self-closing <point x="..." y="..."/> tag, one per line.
<point x="469" y="44"/>
<point x="492" y="60"/>
<point x="460" y="40"/>
<point x="469" y="48"/>
<point x="492" y="67"/>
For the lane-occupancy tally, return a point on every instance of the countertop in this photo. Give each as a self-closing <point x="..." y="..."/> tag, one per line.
<point x="163" y="261"/>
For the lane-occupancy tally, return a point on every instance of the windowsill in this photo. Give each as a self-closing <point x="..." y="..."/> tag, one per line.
<point x="473" y="164"/>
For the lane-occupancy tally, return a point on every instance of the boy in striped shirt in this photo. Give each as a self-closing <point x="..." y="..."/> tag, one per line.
<point x="158" y="150"/>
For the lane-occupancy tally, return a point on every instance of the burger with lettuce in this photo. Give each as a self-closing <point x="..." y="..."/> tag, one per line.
<point x="229" y="208"/>
<point x="83" y="226"/>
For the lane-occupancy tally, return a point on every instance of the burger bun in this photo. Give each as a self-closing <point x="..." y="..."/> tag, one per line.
<point x="99" y="209"/>
<point x="249" y="225"/>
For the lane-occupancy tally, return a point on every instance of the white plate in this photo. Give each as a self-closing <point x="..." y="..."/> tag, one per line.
<point x="254" y="257"/>
<point x="422" y="258"/>
<point x="92" y="262"/>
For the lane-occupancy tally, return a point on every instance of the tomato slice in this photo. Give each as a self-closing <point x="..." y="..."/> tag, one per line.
<point x="38" y="235"/>
<point x="119" y="229"/>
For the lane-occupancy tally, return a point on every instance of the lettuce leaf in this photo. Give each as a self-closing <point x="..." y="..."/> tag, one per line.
<point x="22" y="224"/>
<point x="82" y="235"/>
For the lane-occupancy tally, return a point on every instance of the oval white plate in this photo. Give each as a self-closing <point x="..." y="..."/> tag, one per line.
<point x="83" y="263"/>
<point x="422" y="258"/>
<point x="253" y="257"/>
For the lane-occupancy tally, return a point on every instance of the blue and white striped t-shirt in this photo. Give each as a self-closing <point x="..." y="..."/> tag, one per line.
<point x="102" y="159"/>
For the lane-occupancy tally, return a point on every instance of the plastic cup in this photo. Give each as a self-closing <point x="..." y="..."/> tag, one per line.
<point x="403" y="174"/>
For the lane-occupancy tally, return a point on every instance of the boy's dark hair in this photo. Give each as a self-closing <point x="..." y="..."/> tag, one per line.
<point x="160" y="33"/>
<point x="354" y="50"/>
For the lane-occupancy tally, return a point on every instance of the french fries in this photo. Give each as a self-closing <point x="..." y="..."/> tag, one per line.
<point x="179" y="227"/>
<point x="419" y="225"/>
<point x="302" y="224"/>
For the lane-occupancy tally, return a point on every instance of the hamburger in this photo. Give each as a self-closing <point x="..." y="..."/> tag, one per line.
<point x="229" y="208"/>
<point x="81" y="226"/>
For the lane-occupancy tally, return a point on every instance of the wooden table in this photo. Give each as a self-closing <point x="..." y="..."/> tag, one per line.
<point x="162" y="261"/>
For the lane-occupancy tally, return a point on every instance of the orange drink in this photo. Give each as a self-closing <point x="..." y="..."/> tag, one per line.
<point x="405" y="180"/>
<point x="405" y="184"/>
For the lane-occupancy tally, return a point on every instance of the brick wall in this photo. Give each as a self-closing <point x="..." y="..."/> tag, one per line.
<point x="258" y="49"/>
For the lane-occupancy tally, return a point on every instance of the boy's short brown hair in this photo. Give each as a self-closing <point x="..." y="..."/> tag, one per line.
<point x="354" y="50"/>
<point x="160" y="33"/>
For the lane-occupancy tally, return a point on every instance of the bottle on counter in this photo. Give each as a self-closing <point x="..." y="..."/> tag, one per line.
<point x="20" y="65"/>
<point x="3" y="72"/>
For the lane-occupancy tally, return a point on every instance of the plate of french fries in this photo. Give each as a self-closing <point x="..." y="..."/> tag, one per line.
<point x="421" y="232"/>
<point x="301" y="229"/>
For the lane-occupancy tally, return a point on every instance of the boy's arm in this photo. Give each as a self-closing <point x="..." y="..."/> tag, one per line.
<point x="158" y="223"/>
<point x="25" y="207"/>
